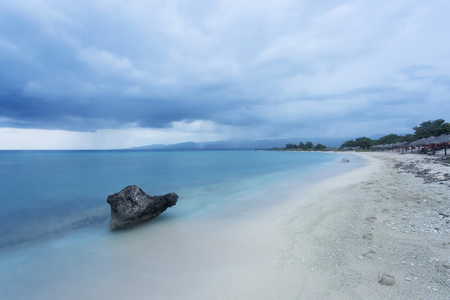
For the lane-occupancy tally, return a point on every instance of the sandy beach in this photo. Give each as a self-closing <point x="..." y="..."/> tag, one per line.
<point x="379" y="232"/>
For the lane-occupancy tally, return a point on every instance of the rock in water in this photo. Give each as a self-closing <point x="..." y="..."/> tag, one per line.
<point x="132" y="205"/>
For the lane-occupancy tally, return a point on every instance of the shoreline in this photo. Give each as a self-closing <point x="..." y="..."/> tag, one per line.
<point x="373" y="233"/>
<point x="376" y="232"/>
<point x="336" y="238"/>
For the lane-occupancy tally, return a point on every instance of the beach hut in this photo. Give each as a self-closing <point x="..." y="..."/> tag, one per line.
<point x="420" y="143"/>
<point x="430" y="144"/>
<point x="382" y="147"/>
<point x="375" y="147"/>
<point x="443" y="140"/>
<point x="400" y="145"/>
<point x="414" y="143"/>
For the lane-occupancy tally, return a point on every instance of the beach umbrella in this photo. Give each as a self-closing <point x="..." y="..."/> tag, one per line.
<point x="416" y="142"/>
<point x="382" y="146"/>
<point x="424" y="141"/>
<point x="398" y="145"/>
<point x="431" y="140"/>
<point x="443" y="139"/>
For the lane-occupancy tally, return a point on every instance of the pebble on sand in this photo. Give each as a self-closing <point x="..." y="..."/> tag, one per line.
<point x="386" y="279"/>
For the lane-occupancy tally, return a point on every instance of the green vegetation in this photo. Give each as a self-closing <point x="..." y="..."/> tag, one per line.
<point x="319" y="147"/>
<point x="432" y="128"/>
<point x="424" y="130"/>
<point x="308" y="146"/>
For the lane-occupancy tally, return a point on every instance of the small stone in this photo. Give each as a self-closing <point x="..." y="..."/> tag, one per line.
<point x="368" y="236"/>
<point x="386" y="279"/>
<point x="369" y="254"/>
<point x="371" y="219"/>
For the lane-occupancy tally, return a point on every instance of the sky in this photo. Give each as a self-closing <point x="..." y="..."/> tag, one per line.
<point x="104" y="74"/>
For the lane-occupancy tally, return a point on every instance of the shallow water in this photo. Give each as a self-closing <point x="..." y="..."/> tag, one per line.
<point x="54" y="235"/>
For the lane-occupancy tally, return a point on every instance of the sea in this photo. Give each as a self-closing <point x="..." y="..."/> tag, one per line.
<point x="54" y="219"/>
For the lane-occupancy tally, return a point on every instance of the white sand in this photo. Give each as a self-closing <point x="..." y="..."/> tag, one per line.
<point x="373" y="233"/>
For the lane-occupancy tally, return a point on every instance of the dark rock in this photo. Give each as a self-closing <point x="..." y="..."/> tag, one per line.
<point x="132" y="205"/>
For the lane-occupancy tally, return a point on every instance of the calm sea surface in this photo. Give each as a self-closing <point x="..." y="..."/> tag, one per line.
<point x="44" y="193"/>
<point x="58" y="198"/>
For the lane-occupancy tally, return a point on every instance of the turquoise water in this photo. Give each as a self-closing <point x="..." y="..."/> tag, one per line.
<point x="53" y="192"/>
<point x="54" y="202"/>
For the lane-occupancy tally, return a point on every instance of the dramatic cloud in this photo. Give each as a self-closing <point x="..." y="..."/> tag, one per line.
<point x="128" y="73"/>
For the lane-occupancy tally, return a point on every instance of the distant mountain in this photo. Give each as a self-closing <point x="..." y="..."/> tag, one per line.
<point x="241" y="144"/>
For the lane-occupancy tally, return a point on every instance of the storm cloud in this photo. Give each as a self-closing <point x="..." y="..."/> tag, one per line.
<point x="205" y="70"/>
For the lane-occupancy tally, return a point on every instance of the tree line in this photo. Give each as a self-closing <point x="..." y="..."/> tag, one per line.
<point x="424" y="130"/>
<point x="307" y="146"/>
